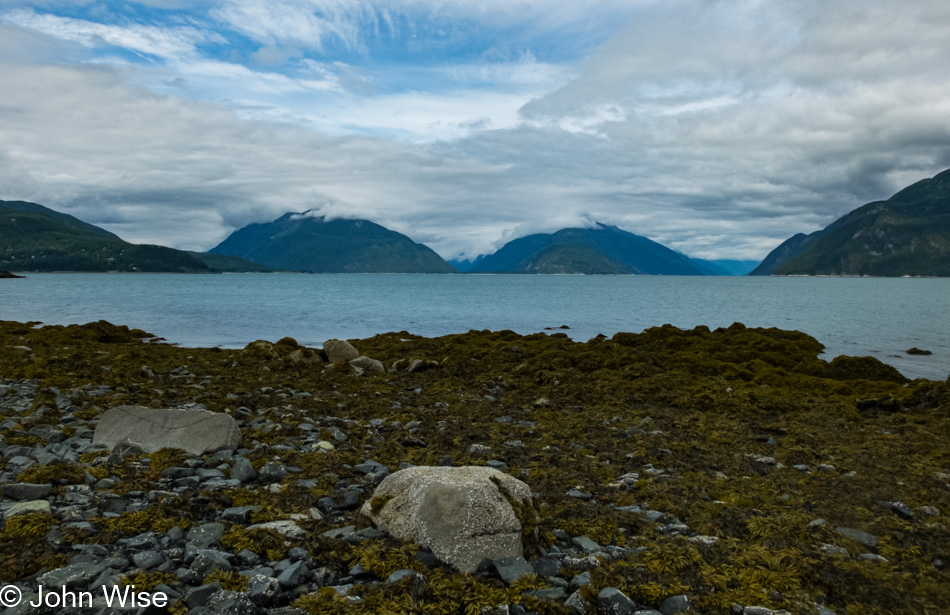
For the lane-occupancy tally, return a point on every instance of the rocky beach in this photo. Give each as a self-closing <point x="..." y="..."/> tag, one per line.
<point x="487" y="473"/>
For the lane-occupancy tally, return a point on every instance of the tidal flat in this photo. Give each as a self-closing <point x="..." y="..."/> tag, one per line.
<point x="722" y="471"/>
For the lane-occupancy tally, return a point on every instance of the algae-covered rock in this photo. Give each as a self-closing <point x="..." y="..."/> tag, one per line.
<point x="463" y="515"/>
<point x="194" y="431"/>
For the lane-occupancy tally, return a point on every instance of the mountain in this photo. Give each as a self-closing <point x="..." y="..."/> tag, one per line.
<point x="36" y="238"/>
<point x="304" y="242"/>
<point x="465" y="265"/>
<point x="599" y="250"/>
<point x="908" y="234"/>
<point x="725" y="266"/>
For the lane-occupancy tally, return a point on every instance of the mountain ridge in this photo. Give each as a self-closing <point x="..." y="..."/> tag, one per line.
<point x="603" y="249"/>
<point x="907" y="234"/>
<point x="305" y="242"/>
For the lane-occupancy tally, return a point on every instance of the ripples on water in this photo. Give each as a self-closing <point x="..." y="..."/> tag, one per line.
<point x="881" y="317"/>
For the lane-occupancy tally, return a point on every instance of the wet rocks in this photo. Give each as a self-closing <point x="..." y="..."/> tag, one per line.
<point x="463" y="515"/>
<point x="194" y="431"/>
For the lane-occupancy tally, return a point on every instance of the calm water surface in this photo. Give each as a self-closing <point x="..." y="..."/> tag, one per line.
<point x="881" y="317"/>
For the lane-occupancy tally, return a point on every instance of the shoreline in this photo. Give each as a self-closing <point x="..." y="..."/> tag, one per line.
<point x="667" y="464"/>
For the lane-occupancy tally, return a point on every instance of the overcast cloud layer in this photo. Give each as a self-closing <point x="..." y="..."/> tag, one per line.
<point x="717" y="128"/>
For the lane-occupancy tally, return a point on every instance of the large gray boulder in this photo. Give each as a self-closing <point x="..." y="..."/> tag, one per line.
<point x="339" y="350"/>
<point x="195" y="431"/>
<point x="460" y="514"/>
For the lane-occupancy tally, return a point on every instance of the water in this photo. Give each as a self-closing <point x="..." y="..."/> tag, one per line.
<point x="880" y="317"/>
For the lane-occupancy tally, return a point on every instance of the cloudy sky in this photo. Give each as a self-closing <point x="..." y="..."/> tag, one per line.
<point x="716" y="128"/>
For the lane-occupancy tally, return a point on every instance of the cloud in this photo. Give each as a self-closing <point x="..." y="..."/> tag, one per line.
<point x="718" y="128"/>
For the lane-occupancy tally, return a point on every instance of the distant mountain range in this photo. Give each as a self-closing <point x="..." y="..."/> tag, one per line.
<point x="599" y="250"/>
<point x="908" y="234"/>
<point x="36" y="238"/>
<point x="305" y="242"/>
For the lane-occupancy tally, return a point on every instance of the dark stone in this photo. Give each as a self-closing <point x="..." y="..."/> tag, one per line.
<point x="199" y="596"/>
<point x="26" y="491"/>
<point x="545" y="567"/>
<point x="675" y="604"/>
<point x="243" y="471"/>
<point x="510" y="569"/>
<point x="612" y="601"/>
<point x="232" y="603"/>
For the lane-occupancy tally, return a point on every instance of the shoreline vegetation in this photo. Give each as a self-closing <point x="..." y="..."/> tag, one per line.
<point x="728" y="470"/>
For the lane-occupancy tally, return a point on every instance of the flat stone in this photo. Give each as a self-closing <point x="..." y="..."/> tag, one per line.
<point x="866" y="540"/>
<point x="239" y="514"/>
<point x="24" y="508"/>
<point x="203" y="536"/>
<point x="284" y="527"/>
<point x="510" y="569"/>
<point x="147" y="559"/>
<point x="26" y="491"/>
<point x="194" y="431"/>
<point x="547" y="593"/>
<point x="586" y="544"/>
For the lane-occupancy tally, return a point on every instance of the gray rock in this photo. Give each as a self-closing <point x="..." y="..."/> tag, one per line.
<point x="262" y="589"/>
<point x="756" y="610"/>
<point x="580" y="580"/>
<point x="398" y="575"/>
<point x="239" y="514"/>
<point x="340" y="350"/>
<point x="284" y="527"/>
<point x="147" y="559"/>
<point x="901" y="510"/>
<point x="510" y="569"/>
<point x="586" y="544"/>
<point x="547" y="593"/>
<point x="869" y="541"/>
<point x="296" y="574"/>
<point x="367" y="364"/>
<point x="872" y="557"/>
<point x="203" y="536"/>
<point x="272" y="473"/>
<point x="457" y="513"/>
<point x="675" y="604"/>
<point x="199" y="596"/>
<point x="74" y="575"/>
<point x="25" y="508"/>
<point x="195" y="431"/>
<point x="26" y="491"/>
<point x="578" y="604"/>
<point x="209" y="560"/>
<point x="612" y="601"/>
<point x="242" y="470"/>
<point x="545" y="567"/>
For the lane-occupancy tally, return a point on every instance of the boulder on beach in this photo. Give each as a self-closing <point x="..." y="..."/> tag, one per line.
<point x="463" y="515"/>
<point x="339" y="350"/>
<point x="195" y="431"/>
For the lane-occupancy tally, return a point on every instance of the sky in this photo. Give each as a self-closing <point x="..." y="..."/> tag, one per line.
<point x="718" y="128"/>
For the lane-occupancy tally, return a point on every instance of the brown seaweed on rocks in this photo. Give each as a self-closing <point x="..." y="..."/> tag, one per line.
<point x="731" y="467"/>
